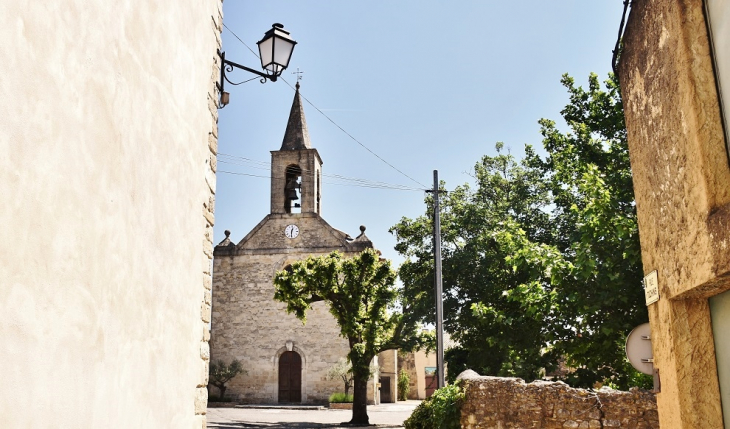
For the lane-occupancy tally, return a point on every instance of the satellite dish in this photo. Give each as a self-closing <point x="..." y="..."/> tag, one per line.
<point x="638" y="349"/>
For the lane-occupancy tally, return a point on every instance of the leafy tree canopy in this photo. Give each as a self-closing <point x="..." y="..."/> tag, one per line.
<point x="361" y="295"/>
<point x="541" y="257"/>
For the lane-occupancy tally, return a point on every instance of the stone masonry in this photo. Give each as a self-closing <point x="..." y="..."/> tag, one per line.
<point x="250" y="326"/>
<point x="201" y="392"/>
<point x="679" y="163"/>
<point x="493" y="402"/>
<point x="247" y="324"/>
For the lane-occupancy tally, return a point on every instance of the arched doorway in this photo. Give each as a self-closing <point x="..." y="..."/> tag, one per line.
<point x="290" y="377"/>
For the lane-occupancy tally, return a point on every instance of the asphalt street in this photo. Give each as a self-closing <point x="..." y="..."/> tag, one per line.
<point x="382" y="416"/>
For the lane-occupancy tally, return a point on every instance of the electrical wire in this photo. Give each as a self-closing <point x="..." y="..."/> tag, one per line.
<point x="261" y="165"/>
<point x="331" y="120"/>
<point x="335" y="179"/>
<point x="358" y="185"/>
<point x="617" y="49"/>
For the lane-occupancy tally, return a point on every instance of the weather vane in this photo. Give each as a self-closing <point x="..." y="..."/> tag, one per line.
<point x="299" y="74"/>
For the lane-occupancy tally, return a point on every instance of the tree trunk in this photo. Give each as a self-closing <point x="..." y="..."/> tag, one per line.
<point x="360" y="402"/>
<point x="222" y="388"/>
<point x="347" y="384"/>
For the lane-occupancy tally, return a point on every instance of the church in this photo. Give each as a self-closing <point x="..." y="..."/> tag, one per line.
<point x="286" y="362"/>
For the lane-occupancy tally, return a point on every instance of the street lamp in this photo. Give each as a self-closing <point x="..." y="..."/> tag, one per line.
<point x="275" y="50"/>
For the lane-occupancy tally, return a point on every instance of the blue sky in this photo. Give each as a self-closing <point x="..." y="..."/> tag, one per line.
<point x="426" y="85"/>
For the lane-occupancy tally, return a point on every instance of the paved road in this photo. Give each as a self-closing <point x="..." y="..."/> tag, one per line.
<point x="384" y="416"/>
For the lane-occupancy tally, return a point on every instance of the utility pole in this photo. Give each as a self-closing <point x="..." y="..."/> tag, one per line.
<point x="438" y="282"/>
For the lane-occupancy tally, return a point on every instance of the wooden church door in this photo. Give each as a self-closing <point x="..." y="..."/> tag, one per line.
<point x="290" y="377"/>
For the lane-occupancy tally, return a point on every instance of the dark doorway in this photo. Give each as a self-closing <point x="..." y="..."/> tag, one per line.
<point x="431" y="384"/>
<point x="290" y="377"/>
<point x="385" y="395"/>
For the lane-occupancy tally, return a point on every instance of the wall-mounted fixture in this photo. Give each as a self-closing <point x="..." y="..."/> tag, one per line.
<point x="275" y="50"/>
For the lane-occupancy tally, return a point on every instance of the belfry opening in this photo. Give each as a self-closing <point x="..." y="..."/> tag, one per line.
<point x="293" y="189"/>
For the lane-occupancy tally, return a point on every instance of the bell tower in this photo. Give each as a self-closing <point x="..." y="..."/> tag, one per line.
<point x="296" y="168"/>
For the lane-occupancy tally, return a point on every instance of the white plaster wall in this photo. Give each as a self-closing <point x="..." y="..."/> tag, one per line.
<point x="104" y="126"/>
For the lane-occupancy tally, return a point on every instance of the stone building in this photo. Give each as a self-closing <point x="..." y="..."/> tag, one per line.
<point x="675" y="81"/>
<point x="286" y="361"/>
<point x="108" y="135"/>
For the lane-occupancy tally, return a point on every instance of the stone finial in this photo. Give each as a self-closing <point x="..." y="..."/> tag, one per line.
<point x="225" y="243"/>
<point x="362" y="229"/>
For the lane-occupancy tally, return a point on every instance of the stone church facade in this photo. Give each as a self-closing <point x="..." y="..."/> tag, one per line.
<point x="286" y="361"/>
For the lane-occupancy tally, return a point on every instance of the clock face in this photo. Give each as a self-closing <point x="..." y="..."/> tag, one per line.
<point x="291" y="231"/>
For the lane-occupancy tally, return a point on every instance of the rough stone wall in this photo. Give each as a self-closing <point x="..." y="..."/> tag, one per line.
<point x="682" y="188"/>
<point x="505" y="403"/>
<point x="201" y="392"/>
<point x="107" y="178"/>
<point x="250" y="326"/>
<point x="407" y="363"/>
<point x="315" y="235"/>
<point x="311" y="164"/>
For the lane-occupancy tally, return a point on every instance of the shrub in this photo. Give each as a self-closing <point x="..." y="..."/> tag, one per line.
<point x="337" y="398"/>
<point x="441" y="411"/>
<point x="404" y="385"/>
<point x="218" y="399"/>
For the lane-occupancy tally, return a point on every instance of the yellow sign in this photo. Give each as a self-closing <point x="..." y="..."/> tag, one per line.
<point x="651" y="288"/>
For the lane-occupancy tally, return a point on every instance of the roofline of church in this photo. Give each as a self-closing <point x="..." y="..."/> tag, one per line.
<point x="228" y="248"/>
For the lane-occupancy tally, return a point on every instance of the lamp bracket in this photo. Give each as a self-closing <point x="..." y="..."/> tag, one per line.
<point x="228" y="66"/>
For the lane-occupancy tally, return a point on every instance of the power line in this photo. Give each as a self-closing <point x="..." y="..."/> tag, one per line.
<point x="335" y="179"/>
<point x="261" y="165"/>
<point x="331" y="120"/>
<point x="358" y="185"/>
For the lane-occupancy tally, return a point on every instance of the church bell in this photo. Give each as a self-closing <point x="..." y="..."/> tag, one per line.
<point x="291" y="190"/>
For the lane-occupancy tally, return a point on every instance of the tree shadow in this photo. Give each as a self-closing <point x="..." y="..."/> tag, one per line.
<point x="283" y="425"/>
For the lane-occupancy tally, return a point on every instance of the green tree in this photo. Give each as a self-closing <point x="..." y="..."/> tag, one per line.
<point x="483" y="296"/>
<point x="361" y="295"/>
<point x="599" y="262"/>
<point x="541" y="258"/>
<point x="220" y="374"/>
<point x="341" y="370"/>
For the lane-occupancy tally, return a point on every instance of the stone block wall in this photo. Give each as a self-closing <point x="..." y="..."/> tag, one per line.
<point x="247" y="324"/>
<point x="407" y="363"/>
<point x="208" y="220"/>
<point x="493" y="402"/>
<point x="250" y="326"/>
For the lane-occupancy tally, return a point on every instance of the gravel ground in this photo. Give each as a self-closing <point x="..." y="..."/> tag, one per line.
<point x="382" y="416"/>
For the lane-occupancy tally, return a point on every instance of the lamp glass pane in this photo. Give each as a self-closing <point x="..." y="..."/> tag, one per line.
<point x="283" y="51"/>
<point x="265" y="51"/>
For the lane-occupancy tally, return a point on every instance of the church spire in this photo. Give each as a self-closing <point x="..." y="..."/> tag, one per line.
<point x="296" y="136"/>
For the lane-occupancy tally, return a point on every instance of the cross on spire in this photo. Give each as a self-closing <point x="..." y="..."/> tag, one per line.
<point x="299" y="74"/>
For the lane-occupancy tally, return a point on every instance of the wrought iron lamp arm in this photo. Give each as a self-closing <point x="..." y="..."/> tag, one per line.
<point x="228" y="66"/>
